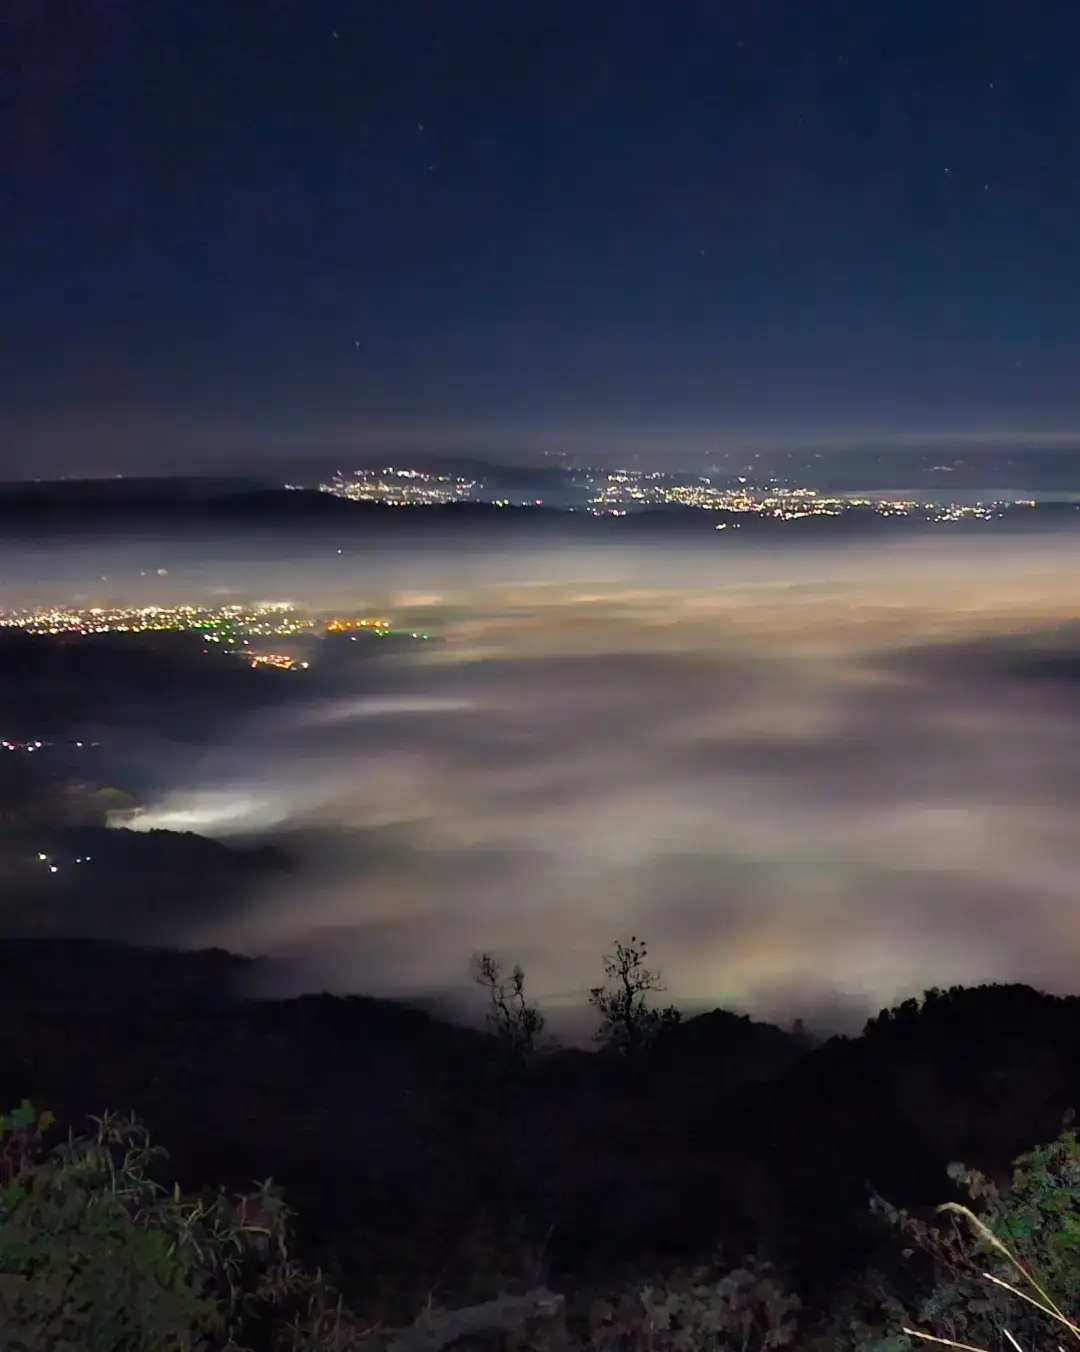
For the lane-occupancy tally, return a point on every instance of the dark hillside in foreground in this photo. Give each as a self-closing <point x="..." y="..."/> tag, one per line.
<point x="405" y="1143"/>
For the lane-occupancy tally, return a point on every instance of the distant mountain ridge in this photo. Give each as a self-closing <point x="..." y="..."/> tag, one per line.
<point x="958" y="467"/>
<point x="170" y="508"/>
<point x="178" y="487"/>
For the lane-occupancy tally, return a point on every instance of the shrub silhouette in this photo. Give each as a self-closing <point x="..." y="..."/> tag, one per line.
<point x="1005" y="1269"/>
<point x="511" y="1017"/>
<point x="96" y="1256"/>
<point x="707" y="1308"/>
<point x="628" y="1023"/>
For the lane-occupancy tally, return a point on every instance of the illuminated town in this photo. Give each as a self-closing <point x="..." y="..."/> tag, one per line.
<point x="401" y="487"/>
<point x="619" y="492"/>
<point x="622" y="491"/>
<point x="241" y="631"/>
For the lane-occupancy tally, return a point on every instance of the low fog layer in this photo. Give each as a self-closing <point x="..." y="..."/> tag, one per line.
<point x="815" y="780"/>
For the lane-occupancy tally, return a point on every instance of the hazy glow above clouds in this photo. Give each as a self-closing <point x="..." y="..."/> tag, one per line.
<point x="805" y="776"/>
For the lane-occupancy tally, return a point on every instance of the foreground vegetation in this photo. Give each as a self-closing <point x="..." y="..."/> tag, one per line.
<point x="486" y="1189"/>
<point x="98" y="1254"/>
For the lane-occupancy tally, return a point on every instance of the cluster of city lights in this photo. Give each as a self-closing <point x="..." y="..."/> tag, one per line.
<point x="400" y="487"/>
<point x="938" y="511"/>
<point x="266" y="619"/>
<point x="12" y="744"/>
<point x="280" y="660"/>
<point x="340" y="626"/>
<point x="48" y="862"/>
<point x="234" y="630"/>
<point x="621" y="491"/>
<point x="625" y="490"/>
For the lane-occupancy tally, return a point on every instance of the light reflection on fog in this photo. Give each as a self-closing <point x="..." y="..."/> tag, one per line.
<point x="807" y="776"/>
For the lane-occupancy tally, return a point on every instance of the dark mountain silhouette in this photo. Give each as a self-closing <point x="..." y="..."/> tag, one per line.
<point x="400" y="1136"/>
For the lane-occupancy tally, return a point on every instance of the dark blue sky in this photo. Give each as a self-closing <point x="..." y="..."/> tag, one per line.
<point x="244" y="228"/>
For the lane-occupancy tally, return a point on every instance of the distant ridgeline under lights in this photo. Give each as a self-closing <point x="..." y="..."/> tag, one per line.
<point x="619" y="492"/>
<point x="828" y="494"/>
<point x="271" y="634"/>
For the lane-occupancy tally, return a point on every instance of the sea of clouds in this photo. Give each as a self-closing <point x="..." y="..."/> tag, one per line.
<point x="815" y="780"/>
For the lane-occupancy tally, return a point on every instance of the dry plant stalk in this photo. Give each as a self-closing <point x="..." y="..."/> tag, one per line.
<point x="1044" y="1304"/>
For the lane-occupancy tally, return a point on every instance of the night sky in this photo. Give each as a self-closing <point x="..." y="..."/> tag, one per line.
<point x="240" y="230"/>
